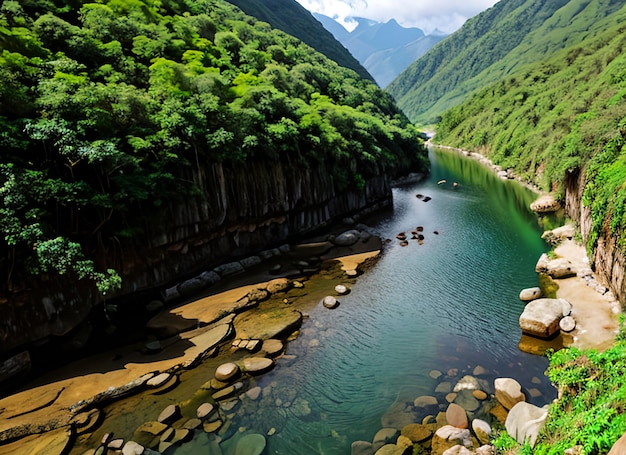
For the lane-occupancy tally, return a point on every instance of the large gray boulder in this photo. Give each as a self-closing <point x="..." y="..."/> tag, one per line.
<point x="347" y="238"/>
<point x="541" y="317"/>
<point x="525" y="421"/>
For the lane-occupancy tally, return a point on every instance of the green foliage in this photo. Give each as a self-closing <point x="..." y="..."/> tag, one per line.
<point x="592" y="398"/>
<point x="107" y="108"/>
<point x="495" y="44"/>
<point x="590" y="411"/>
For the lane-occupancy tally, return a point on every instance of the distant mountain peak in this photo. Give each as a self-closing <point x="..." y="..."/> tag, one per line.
<point x="384" y="48"/>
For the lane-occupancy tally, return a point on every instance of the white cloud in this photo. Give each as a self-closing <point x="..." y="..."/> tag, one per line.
<point x="446" y="15"/>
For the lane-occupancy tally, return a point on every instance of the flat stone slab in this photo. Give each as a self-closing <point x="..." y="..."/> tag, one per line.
<point x="226" y="371"/>
<point x="257" y="365"/>
<point x="55" y="442"/>
<point x="272" y="347"/>
<point x="265" y="323"/>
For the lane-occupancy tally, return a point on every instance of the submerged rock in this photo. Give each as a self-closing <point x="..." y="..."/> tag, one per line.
<point x="456" y="416"/>
<point x="251" y="444"/>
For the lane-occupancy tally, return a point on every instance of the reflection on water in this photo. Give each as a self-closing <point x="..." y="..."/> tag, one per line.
<point x="449" y="303"/>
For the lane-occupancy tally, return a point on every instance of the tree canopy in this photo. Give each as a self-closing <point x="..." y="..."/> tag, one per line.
<point x="104" y="104"/>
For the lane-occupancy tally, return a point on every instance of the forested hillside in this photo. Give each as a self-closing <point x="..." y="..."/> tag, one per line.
<point x="111" y="111"/>
<point x="559" y="117"/>
<point x="497" y="42"/>
<point x="556" y="116"/>
<point x="290" y="17"/>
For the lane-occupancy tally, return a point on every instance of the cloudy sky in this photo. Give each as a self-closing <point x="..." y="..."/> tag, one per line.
<point x="445" y="15"/>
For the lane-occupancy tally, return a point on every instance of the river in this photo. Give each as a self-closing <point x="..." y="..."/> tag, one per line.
<point x="451" y="302"/>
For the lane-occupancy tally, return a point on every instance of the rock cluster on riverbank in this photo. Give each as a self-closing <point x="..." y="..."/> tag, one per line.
<point x="457" y="418"/>
<point x="583" y="312"/>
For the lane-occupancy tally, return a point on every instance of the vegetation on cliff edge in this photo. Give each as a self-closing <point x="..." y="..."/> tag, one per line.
<point x="555" y="119"/>
<point x="106" y="105"/>
<point x="592" y="399"/>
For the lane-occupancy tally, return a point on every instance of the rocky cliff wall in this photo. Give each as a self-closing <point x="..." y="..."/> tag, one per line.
<point x="608" y="260"/>
<point x="241" y="209"/>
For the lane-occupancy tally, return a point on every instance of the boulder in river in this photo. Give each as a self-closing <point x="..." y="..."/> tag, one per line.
<point x="347" y="238"/>
<point x="448" y="436"/>
<point x="257" y="365"/>
<point x="330" y="302"/>
<point x="417" y="432"/>
<point x="508" y="392"/>
<point x="170" y="414"/>
<point x="226" y="371"/>
<point x="528" y="294"/>
<point x="541" y="317"/>
<point x="482" y="430"/>
<point x="456" y="416"/>
<point x="545" y="204"/>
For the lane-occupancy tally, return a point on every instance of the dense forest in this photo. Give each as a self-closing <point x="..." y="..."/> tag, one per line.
<point x="105" y="106"/>
<point x="494" y="44"/>
<point x="290" y="17"/>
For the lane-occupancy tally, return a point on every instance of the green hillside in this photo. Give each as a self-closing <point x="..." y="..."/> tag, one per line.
<point x="561" y="115"/>
<point x="290" y="17"/>
<point x="492" y="45"/>
<point x="105" y="107"/>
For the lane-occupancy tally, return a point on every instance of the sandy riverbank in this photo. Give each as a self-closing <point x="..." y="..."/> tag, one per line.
<point x="596" y="314"/>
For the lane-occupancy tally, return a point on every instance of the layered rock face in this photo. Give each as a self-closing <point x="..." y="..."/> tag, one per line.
<point x="241" y="209"/>
<point x="608" y="261"/>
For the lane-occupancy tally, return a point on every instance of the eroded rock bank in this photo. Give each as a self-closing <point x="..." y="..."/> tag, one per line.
<point x="241" y="210"/>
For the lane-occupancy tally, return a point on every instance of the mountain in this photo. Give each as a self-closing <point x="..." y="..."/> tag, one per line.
<point x="516" y="30"/>
<point x="290" y="17"/>
<point x="385" y="49"/>
<point x="387" y="64"/>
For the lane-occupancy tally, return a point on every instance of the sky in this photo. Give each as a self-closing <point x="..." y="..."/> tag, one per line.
<point x="445" y="15"/>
